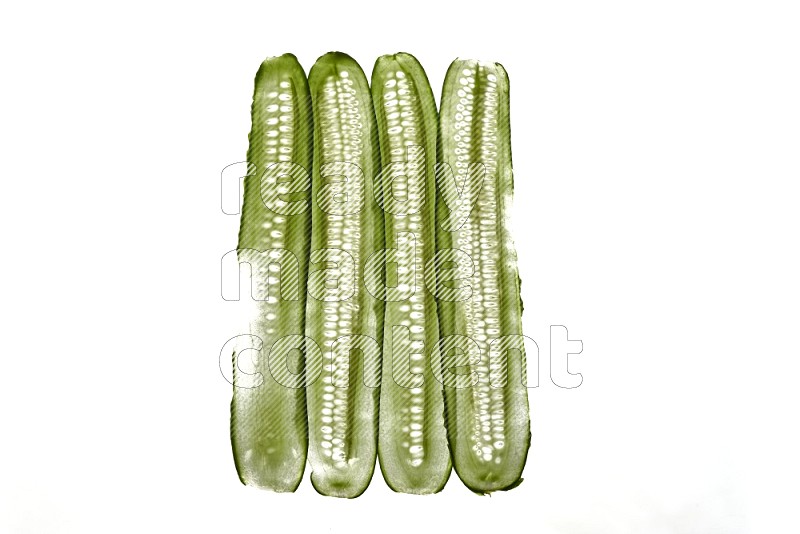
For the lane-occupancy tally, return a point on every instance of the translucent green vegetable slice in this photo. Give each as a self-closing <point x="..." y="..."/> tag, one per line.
<point x="412" y="444"/>
<point x="488" y="422"/>
<point x="343" y="317"/>
<point x="268" y="422"/>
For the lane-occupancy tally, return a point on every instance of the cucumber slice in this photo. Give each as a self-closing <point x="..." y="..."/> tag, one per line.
<point x="343" y="318"/>
<point x="488" y="424"/>
<point x="268" y="422"/>
<point x="412" y="444"/>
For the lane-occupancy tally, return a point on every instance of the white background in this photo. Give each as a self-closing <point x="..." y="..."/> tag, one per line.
<point x="656" y="163"/>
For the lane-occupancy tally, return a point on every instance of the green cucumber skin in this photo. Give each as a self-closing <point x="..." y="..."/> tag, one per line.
<point x="343" y="422"/>
<point x="412" y="445"/>
<point x="481" y="464"/>
<point x="268" y="424"/>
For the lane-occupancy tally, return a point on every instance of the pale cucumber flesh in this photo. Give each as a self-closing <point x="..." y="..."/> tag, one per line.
<point x="488" y="424"/>
<point x="268" y="422"/>
<point x="412" y="447"/>
<point x="343" y="318"/>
